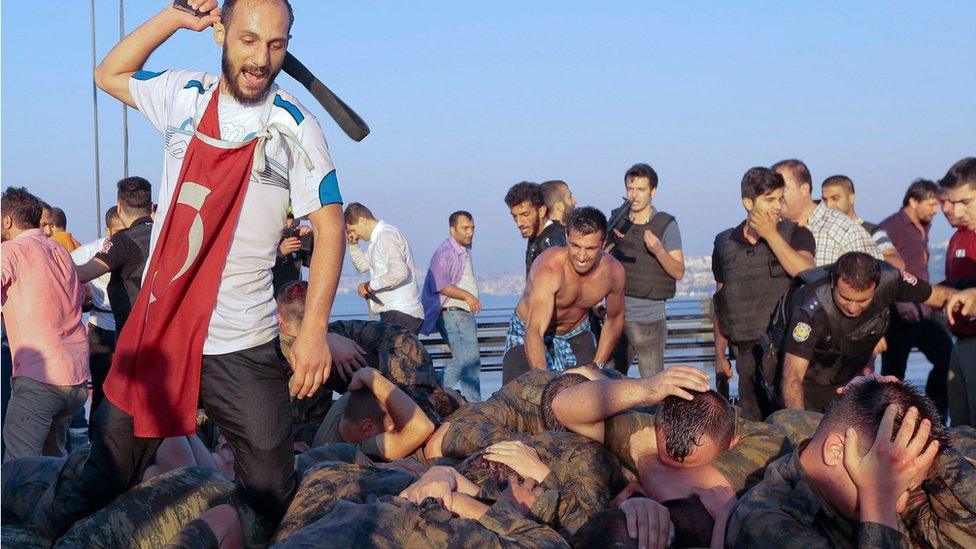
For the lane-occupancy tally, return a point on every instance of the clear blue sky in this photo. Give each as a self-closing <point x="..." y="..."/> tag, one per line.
<point x="466" y="99"/>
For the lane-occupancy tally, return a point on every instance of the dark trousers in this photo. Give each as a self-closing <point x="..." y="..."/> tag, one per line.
<point x="515" y="363"/>
<point x="745" y="365"/>
<point x="931" y="336"/>
<point x="246" y="395"/>
<point x="101" y="345"/>
<point x="411" y="323"/>
<point x="7" y="373"/>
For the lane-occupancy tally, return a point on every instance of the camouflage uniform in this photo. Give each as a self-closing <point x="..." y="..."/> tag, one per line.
<point x="327" y="482"/>
<point x="515" y="408"/>
<point x="152" y="513"/>
<point x="786" y="509"/>
<point x="22" y="536"/>
<point x="964" y="440"/>
<point x="742" y="465"/>
<point x="798" y="425"/>
<point x="24" y="481"/>
<point x="392" y="522"/>
<point x="197" y="534"/>
<point x="582" y="473"/>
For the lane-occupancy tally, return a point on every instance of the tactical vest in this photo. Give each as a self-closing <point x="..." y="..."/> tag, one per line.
<point x="754" y="280"/>
<point x="871" y="228"/>
<point x="646" y="278"/>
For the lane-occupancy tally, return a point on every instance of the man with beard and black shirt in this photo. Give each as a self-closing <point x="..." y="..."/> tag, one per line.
<point x="124" y="254"/>
<point x="827" y="327"/>
<point x="527" y="205"/>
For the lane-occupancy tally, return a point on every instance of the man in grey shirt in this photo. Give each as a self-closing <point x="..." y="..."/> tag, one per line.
<point x="648" y="245"/>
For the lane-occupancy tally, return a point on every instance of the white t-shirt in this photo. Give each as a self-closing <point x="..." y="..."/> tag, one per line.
<point x="245" y="314"/>
<point x="101" y="315"/>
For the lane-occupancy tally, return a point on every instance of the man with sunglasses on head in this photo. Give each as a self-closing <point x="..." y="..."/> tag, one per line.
<point x="826" y="328"/>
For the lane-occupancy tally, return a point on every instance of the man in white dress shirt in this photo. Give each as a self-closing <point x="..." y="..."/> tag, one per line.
<point x="391" y="290"/>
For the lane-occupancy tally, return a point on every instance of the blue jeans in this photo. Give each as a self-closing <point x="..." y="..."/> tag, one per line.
<point x="460" y="330"/>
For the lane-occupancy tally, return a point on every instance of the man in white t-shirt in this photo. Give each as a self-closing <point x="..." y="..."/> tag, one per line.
<point x="242" y="380"/>
<point x="101" y="320"/>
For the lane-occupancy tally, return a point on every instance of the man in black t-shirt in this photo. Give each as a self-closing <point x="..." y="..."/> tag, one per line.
<point x="125" y="254"/>
<point x="527" y="205"/>
<point x="834" y="320"/>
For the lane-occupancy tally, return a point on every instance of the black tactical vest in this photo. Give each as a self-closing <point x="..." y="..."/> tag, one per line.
<point x="646" y="278"/>
<point x="754" y="280"/>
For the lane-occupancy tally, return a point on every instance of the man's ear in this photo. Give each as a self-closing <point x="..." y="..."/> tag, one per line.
<point x="219" y="33"/>
<point x="653" y="192"/>
<point x="748" y="203"/>
<point x="735" y="440"/>
<point x="853" y="198"/>
<point x="543" y="211"/>
<point x="832" y="451"/>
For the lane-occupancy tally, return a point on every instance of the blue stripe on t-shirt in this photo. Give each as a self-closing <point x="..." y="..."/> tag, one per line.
<point x="194" y="84"/>
<point x="291" y="108"/>
<point x="329" y="189"/>
<point x="146" y="75"/>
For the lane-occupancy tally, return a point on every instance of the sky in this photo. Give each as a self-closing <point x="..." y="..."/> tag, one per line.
<point x="465" y="99"/>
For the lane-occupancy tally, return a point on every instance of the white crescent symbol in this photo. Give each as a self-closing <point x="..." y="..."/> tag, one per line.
<point x="193" y="195"/>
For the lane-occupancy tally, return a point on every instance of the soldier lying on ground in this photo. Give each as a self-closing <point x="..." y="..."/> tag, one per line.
<point x="378" y="417"/>
<point x="878" y="471"/>
<point x="515" y="408"/>
<point x="643" y="522"/>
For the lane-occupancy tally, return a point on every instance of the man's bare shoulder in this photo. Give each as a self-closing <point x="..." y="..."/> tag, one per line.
<point x="549" y="263"/>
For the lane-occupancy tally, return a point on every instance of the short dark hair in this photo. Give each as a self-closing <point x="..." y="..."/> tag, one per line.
<point x="797" y="168"/>
<point x="961" y="173"/>
<point x="135" y="194"/>
<point x="920" y="189"/>
<point x="553" y="191"/>
<point x="58" y="219"/>
<point x="863" y="403"/>
<point x="692" y="522"/>
<point x="456" y="216"/>
<point x="291" y="301"/>
<point x="525" y="191"/>
<point x="587" y="220"/>
<point x="23" y="208"/>
<point x="111" y="215"/>
<point x="549" y="392"/>
<point x="227" y="13"/>
<point x="641" y="170"/>
<point x="687" y="422"/>
<point x="356" y="211"/>
<point x="608" y="528"/>
<point x="364" y="405"/>
<point x="760" y="181"/>
<point x="859" y="270"/>
<point x="841" y="181"/>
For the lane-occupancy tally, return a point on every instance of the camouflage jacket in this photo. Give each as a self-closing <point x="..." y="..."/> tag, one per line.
<point x="152" y="513"/>
<point x="797" y="425"/>
<point x="582" y="473"/>
<point x="942" y="513"/>
<point x="327" y="482"/>
<point x="393" y="522"/>
<point x="22" y="483"/>
<point x="742" y="465"/>
<point x="786" y="510"/>
<point x="513" y="409"/>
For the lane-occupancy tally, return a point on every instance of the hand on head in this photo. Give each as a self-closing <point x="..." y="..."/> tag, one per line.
<point x="676" y="381"/>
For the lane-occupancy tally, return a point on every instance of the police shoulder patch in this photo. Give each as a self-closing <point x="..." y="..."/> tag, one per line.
<point x="106" y="246"/>
<point x="801" y="332"/>
<point x="909" y="278"/>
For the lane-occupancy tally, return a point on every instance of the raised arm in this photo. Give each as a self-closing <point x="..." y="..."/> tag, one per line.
<point x="544" y="279"/>
<point x="392" y="254"/>
<point x="309" y="356"/>
<point x="128" y="56"/>
<point x="794" y="368"/>
<point x="411" y="427"/>
<point x="91" y="270"/>
<point x="584" y="407"/>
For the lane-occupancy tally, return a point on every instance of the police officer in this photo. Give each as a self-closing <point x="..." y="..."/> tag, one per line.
<point x="648" y="245"/>
<point x="828" y="326"/>
<point x="753" y="264"/>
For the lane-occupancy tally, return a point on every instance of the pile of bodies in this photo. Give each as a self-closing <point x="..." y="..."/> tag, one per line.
<point x="583" y="457"/>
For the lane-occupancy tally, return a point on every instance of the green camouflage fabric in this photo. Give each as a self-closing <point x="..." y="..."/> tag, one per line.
<point x="582" y="473"/>
<point x="339" y="451"/>
<point x="22" y="483"/>
<point x="798" y="425"/>
<point x="152" y="513"/>
<point x="964" y="440"/>
<point x="67" y="474"/>
<point x="942" y="513"/>
<point x="786" y="510"/>
<point x="195" y="535"/>
<point x="327" y="482"/>
<point x="307" y="414"/>
<point x="392" y="522"/>
<point x="742" y="465"/>
<point x="513" y="409"/>
<point x="21" y="536"/>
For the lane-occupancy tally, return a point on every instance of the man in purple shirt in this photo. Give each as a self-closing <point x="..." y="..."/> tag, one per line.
<point x="450" y="300"/>
<point x="914" y="325"/>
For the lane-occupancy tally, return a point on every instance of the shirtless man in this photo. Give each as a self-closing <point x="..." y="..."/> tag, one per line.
<point x="550" y="329"/>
